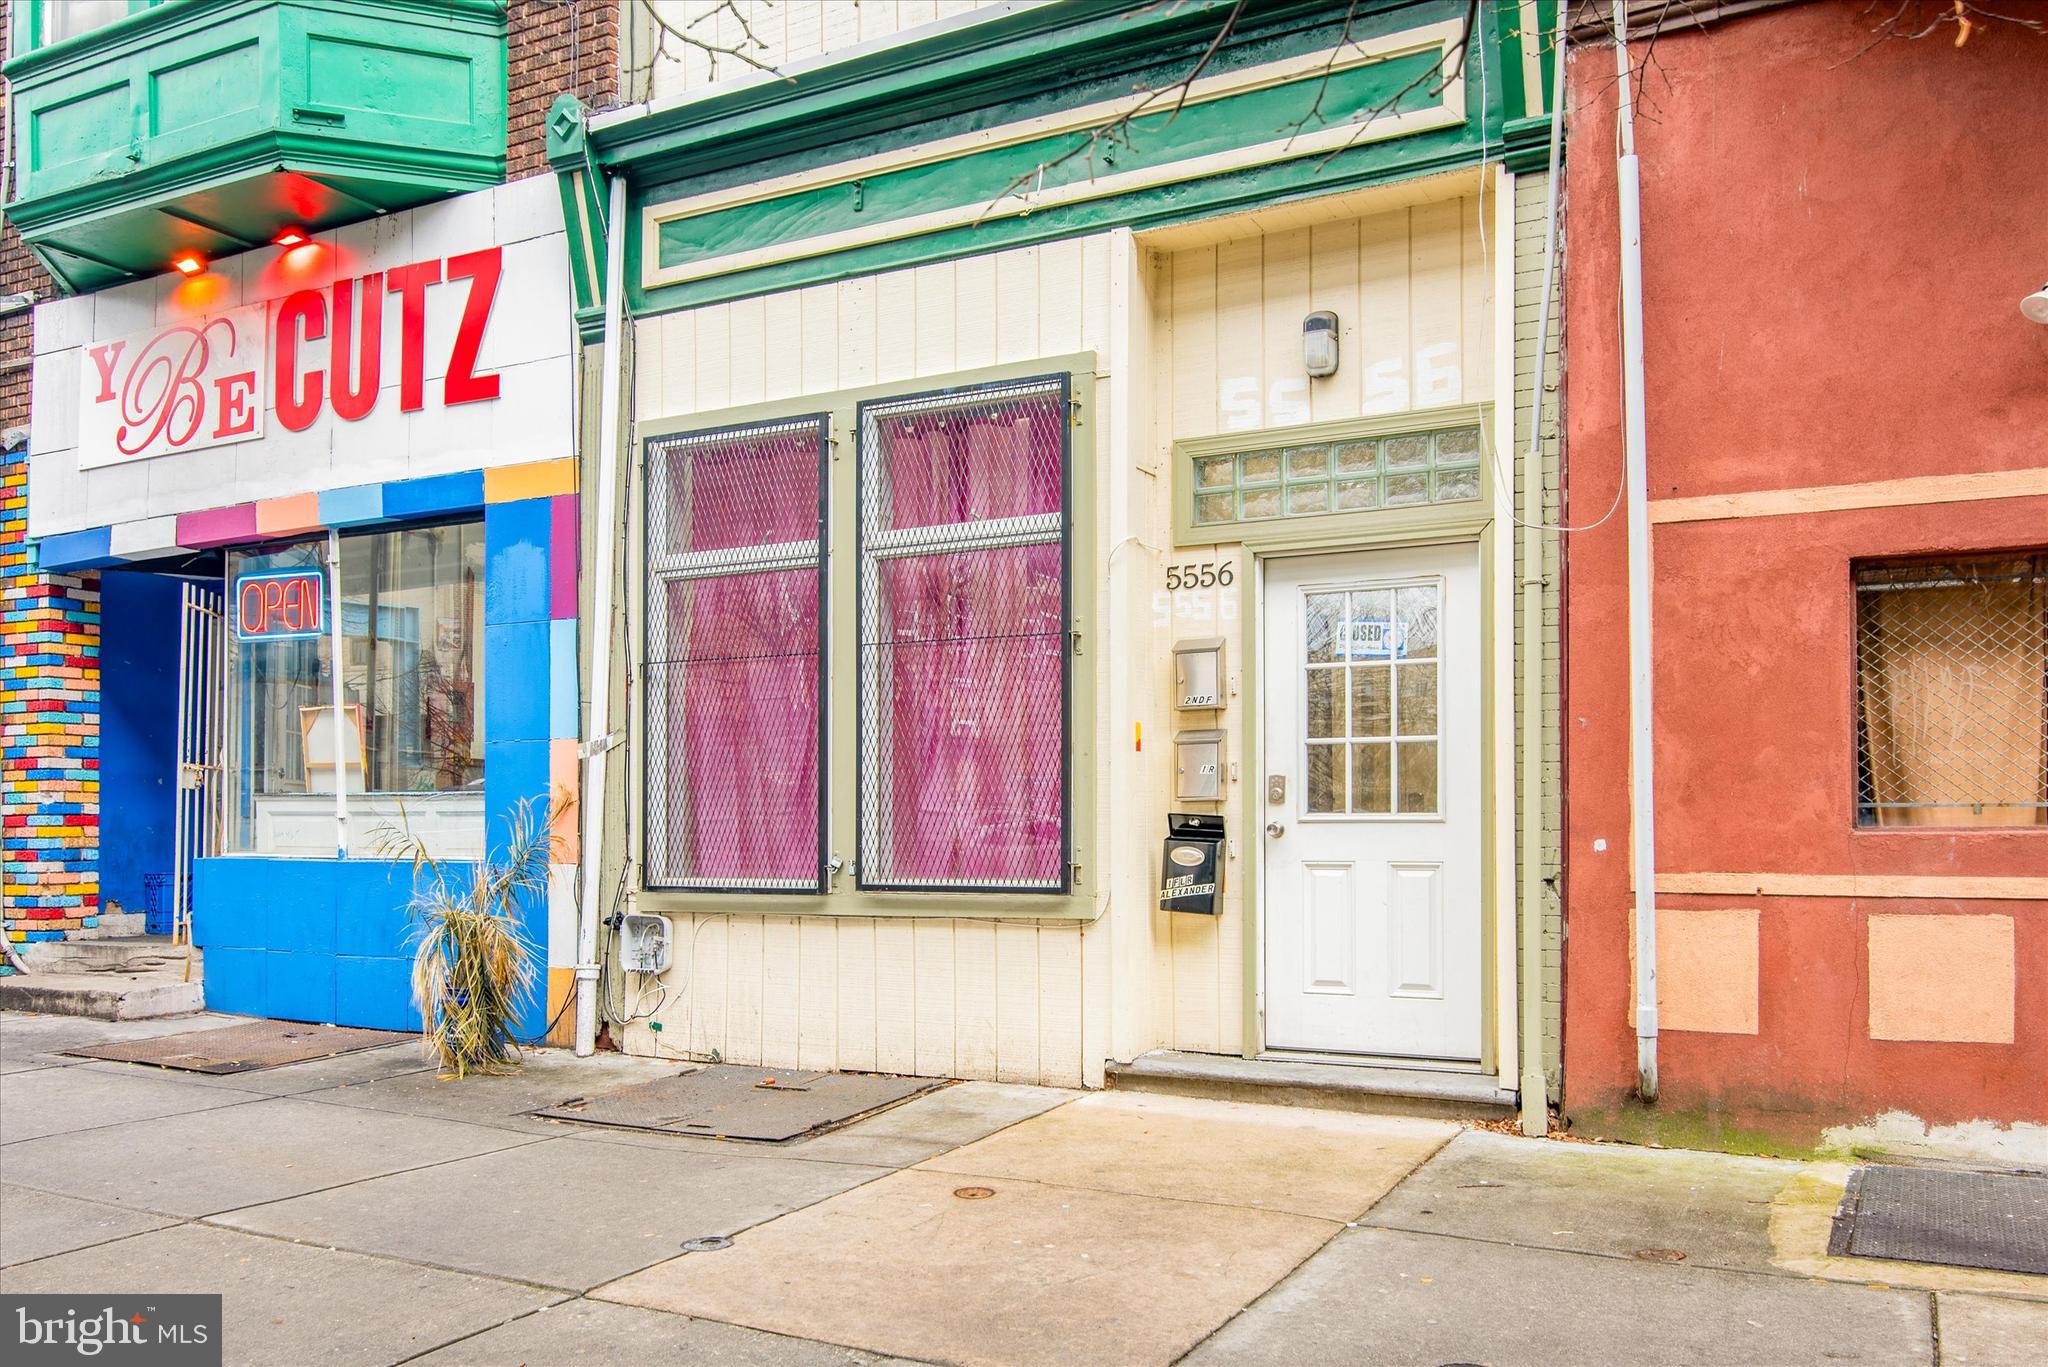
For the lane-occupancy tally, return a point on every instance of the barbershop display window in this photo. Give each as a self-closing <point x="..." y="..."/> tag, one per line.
<point x="403" y="612"/>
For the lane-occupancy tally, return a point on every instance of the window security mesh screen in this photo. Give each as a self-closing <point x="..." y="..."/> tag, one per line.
<point x="735" y="543"/>
<point x="963" y="645"/>
<point x="1952" y="683"/>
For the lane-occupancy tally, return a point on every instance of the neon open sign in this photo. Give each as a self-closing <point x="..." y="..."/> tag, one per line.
<point x="279" y="605"/>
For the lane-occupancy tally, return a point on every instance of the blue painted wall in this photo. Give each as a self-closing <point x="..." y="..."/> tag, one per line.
<point x="331" y="940"/>
<point x="138" y="731"/>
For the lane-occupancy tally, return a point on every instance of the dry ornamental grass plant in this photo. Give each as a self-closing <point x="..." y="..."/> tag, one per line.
<point x="473" y="966"/>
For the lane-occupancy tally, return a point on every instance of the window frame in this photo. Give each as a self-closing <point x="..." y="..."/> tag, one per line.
<point x="1084" y="894"/>
<point x="32" y="37"/>
<point x="349" y="836"/>
<point x="650" y="580"/>
<point x="1863" y="820"/>
<point x="1351" y="527"/>
<point x="937" y="539"/>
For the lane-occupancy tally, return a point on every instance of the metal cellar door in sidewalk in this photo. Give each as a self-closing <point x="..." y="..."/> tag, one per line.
<point x="1373" y="844"/>
<point x="200" y="724"/>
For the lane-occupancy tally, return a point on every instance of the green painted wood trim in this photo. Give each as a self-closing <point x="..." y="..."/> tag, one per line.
<point x="1504" y="22"/>
<point x="1361" y="530"/>
<point x="1411" y="157"/>
<point x="962" y="66"/>
<point x="144" y="27"/>
<point x="892" y="202"/>
<point x="1089" y="893"/>
<point x="1527" y="144"/>
<point x="584" y="211"/>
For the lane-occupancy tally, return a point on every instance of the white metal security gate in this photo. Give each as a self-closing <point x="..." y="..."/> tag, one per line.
<point x="201" y="720"/>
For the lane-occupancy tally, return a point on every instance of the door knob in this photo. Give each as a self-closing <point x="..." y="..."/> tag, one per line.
<point x="1275" y="829"/>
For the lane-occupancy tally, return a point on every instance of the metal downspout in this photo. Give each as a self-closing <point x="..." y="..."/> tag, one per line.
<point x="605" y="536"/>
<point x="1535" y="1087"/>
<point x="1643" y="834"/>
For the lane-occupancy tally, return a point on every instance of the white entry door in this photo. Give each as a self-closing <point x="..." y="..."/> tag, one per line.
<point x="1371" y="685"/>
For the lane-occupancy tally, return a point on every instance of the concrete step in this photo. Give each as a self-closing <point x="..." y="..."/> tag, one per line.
<point x="1322" y="1086"/>
<point x="105" y="996"/>
<point x="132" y="953"/>
<point x="114" y="925"/>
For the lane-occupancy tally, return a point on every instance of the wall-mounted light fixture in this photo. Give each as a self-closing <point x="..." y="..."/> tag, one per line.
<point x="1319" y="344"/>
<point x="2035" y="305"/>
<point x="188" y="263"/>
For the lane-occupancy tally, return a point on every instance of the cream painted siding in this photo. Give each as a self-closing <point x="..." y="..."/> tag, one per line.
<point x="1412" y="293"/>
<point x="1529" y="225"/>
<point x="1003" y="1000"/>
<point x="772" y="33"/>
<point x="1411" y="289"/>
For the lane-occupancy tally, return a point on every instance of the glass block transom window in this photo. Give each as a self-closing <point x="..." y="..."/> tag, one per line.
<point x="1355" y="474"/>
<point x="1952" y="691"/>
<point x="963" y="644"/>
<point x="735" y="560"/>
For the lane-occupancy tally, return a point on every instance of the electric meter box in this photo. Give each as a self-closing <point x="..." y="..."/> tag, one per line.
<point x="1198" y="766"/>
<point x="1191" y="865"/>
<point x="645" y="943"/>
<point x="1198" y="674"/>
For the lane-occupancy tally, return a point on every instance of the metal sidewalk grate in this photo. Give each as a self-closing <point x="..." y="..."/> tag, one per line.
<point x="728" y="1102"/>
<point x="1987" y="1220"/>
<point x="245" y="1048"/>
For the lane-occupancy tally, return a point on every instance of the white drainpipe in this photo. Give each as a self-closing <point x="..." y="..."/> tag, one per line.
<point x="1643" y="835"/>
<point x="1534" y="1086"/>
<point x="589" y="911"/>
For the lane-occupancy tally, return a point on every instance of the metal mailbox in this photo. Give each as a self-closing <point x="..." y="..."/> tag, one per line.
<point x="1198" y="766"/>
<point x="1198" y="674"/>
<point x="1191" y="864"/>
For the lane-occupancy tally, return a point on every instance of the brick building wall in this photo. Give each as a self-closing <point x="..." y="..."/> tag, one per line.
<point x="49" y="673"/>
<point x="555" y="47"/>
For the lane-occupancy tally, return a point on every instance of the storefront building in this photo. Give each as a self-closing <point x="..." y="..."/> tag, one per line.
<point x="997" y="490"/>
<point x="323" y="442"/>
<point x="1848" y="510"/>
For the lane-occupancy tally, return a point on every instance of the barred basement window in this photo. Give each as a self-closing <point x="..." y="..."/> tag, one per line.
<point x="735" y="569"/>
<point x="963" y="646"/>
<point x="1952" y="692"/>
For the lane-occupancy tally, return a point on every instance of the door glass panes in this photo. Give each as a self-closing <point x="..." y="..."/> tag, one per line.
<point x="734" y="558"/>
<point x="1371" y="693"/>
<point x="1351" y="475"/>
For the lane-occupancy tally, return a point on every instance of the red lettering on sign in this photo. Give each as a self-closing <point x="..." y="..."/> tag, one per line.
<point x="297" y="410"/>
<point x="104" y="358"/>
<point x="482" y="269"/>
<point x="286" y="604"/>
<point x="355" y="397"/>
<point x="410" y="283"/>
<point x="235" y="397"/>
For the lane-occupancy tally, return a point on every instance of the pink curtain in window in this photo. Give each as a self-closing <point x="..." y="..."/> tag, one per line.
<point x="972" y="649"/>
<point x="747" y="714"/>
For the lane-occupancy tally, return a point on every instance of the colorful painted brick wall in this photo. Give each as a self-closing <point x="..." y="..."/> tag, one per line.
<point x="49" y="732"/>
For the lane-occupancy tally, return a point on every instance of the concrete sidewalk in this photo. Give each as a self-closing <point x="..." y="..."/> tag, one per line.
<point x="360" y="1210"/>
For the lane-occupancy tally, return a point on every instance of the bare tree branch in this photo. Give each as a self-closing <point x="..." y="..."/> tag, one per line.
<point x="685" y="35"/>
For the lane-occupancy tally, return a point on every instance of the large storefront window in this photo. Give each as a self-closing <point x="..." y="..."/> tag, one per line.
<point x="963" y="639"/>
<point x="407" y="750"/>
<point x="734" y="558"/>
<point x="943" y="694"/>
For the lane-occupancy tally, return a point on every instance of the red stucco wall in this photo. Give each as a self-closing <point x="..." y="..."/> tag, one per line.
<point x="1835" y="247"/>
